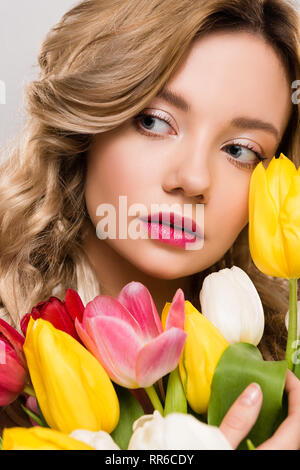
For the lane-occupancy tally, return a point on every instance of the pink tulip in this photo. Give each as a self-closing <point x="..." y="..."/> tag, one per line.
<point x="127" y="338"/>
<point x="13" y="370"/>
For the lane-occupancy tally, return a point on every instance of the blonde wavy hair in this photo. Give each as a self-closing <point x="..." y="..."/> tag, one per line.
<point x="99" y="67"/>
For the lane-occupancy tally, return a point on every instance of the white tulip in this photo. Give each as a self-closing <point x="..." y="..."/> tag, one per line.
<point x="298" y="319"/>
<point x="231" y="302"/>
<point x="175" y="431"/>
<point x="100" y="440"/>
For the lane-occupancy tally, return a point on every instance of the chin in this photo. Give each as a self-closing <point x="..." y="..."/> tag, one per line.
<point x="157" y="268"/>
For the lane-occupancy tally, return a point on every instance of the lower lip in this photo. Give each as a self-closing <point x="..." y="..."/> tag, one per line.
<point x="169" y="235"/>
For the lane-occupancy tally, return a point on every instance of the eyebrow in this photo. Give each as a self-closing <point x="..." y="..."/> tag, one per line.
<point x="248" y="123"/>
<point x="240" y="122"/>
<point x="174" y="99"/>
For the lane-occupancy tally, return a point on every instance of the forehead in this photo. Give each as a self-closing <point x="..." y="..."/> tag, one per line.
<point x="234" y="73"/>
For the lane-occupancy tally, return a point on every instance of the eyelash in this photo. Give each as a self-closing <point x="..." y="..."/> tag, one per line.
<point x="237" y="163"/>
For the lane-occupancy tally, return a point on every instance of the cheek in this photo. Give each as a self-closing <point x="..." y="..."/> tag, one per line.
<point x="232" y="204"/>
<point x="114" y="171"/>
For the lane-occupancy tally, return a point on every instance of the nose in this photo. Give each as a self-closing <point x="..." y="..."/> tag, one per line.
<point x="190" y="172"/>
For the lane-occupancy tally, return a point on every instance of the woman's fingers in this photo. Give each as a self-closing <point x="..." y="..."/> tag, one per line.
<point x="242" y="415"/>
<point x="287" y="436"/>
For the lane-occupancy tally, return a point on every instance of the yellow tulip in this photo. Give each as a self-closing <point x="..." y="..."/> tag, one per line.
<point x="274" y="218"/>
<point x="72" y="388"/>
<point x="203" y="348"/>
<point x="39" y="438"/>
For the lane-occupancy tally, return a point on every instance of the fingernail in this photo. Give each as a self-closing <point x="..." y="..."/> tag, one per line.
<point x="250" y="396"/>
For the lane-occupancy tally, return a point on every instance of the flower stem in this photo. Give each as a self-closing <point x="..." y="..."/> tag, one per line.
<point x="250" y="444"/>
<point x="33" y="416"/>
<point x="175" y="398"/>
<point x="151" y="392"/>
<point x="29" y="390"/>
<point x="292" y="331"/>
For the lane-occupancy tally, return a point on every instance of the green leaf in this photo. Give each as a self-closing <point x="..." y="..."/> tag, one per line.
<point x="130" y="410"/>
<point x="34" y="416"/>
<point x="175" y="396"/>
<point x="240" y="365"/>
<point x="42" y="418"/>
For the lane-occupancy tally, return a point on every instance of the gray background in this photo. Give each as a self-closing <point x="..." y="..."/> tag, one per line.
<point x="23" y="26"/>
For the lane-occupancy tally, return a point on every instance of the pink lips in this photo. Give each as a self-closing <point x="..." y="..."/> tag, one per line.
<point x="172" y="229"/>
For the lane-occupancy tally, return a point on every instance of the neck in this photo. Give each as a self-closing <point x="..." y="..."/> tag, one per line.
<point x="114" y="272"/>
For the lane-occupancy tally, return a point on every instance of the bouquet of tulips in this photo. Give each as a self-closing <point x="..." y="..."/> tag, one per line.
<point x="114" y="374"/>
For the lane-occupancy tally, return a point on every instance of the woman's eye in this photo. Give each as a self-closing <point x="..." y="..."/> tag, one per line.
<point x="243" y="155"/>
<point x="152" y="125"/>
<point x="240" y="152"/>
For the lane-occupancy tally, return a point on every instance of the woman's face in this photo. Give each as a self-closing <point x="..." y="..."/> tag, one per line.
<point x="237" y="106"/>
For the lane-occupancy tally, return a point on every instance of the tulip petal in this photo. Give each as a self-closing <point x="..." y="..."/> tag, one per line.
<point x="55" y="312"/>
<point x="265" y="235"/>
<point x="73" y="304"/>
<point x="160" y="356"/>
<point x="184" y="431"/>
<point x="253" y="322"/>
<point x="177" y="431"/>
<point x="279" y="176"/>
<point x="202" y="351"/>
<point x="116" y="348"/>
<point x="14" y="338"/>
<point x="176" y="314"/>
<point x="100" y="440"/>
<point x="107" y="306"/>
<point x="87" y="340"/>
<point x="290" y="224"/>
<point x="12" y="374"/>
<point x="231" y="302"/>
<point x="38" y="438"/>
<point x="72" y="388"/>
<point x="138" y="300"/>
<point x="24" y="322"/>
<point x="7" y="396"/>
